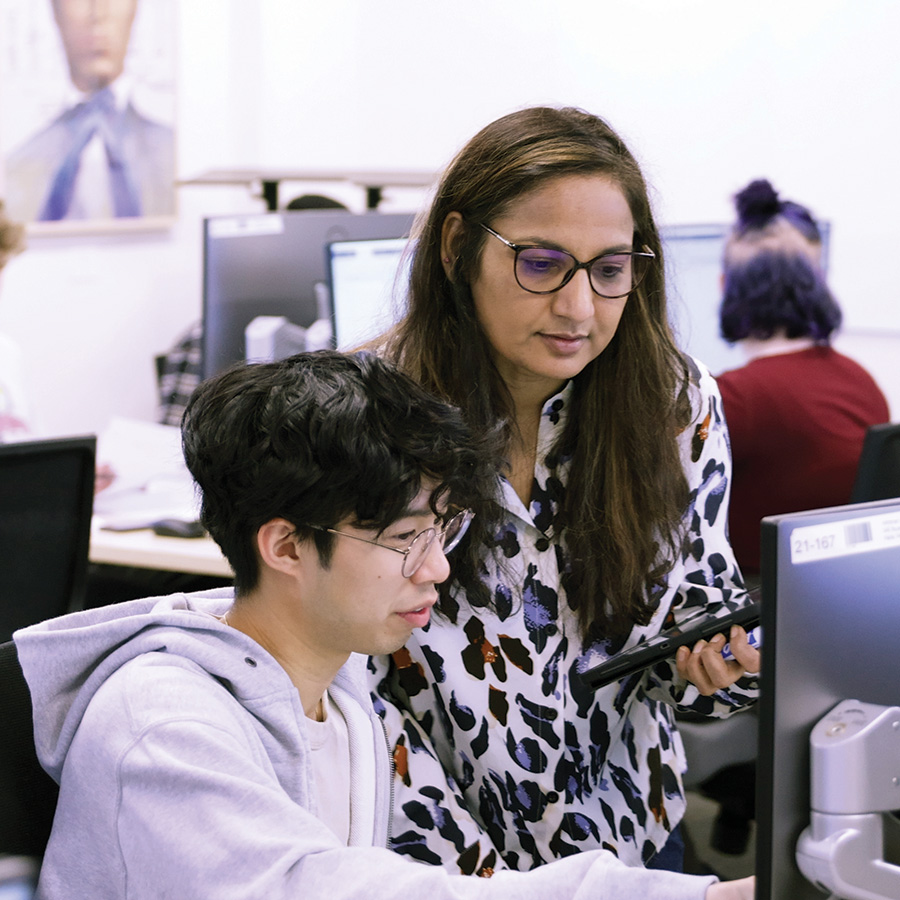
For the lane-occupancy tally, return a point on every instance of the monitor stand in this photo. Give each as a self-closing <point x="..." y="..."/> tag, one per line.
<point x="855" y="781"/>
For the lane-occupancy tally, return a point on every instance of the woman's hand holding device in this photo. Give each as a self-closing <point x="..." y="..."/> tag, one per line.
<point x="704" y="666"/>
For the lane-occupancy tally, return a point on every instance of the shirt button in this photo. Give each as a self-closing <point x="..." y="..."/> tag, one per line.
<point x="552" y="797"/>
<point x="542" y="544"/>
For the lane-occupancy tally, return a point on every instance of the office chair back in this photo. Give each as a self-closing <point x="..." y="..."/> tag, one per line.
<point x="27" y="793"/>
<point x="46" y="501"/>
<point x="878" y="472"/>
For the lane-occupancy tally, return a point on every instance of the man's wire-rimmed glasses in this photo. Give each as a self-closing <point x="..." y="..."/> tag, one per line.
<point x="543" y="270"/>
<point x="414" y="555"/>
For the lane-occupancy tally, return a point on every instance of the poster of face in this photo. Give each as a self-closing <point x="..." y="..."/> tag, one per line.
<point x="87" y="112"/>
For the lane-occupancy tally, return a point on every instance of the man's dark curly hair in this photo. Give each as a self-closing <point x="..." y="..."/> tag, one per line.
<point x="320" y="438"/>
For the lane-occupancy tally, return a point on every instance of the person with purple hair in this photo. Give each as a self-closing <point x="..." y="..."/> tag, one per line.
<point x="798" y="410"/>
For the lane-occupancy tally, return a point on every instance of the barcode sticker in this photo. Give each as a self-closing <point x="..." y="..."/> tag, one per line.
<point x="841" y="538"/>
<point x="858" y="533"/>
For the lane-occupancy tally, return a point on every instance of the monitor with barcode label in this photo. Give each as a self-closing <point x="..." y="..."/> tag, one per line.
<point x="831" y="619"/>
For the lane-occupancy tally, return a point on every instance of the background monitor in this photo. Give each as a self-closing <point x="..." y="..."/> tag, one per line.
<point x="693" y="257"/>
<point x="367" y="287"/>
<point x="273" y="264"/>
<point x="831" y="629"/>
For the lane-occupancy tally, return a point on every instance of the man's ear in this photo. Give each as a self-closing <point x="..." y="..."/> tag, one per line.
<point x="451" y="233"/>
<point x="277" y="544"/>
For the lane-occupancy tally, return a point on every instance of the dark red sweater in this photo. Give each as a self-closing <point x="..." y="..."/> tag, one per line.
<point x="797" y="423"/>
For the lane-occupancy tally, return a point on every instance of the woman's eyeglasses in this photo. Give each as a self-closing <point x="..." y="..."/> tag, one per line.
<point x="543" y="270"/>
<point x="414" y="555"/>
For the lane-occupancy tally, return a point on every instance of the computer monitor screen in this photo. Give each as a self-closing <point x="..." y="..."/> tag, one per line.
<point x="831" y="627"/>
<point x="693" y="255"/>
<point x="367" y="287"/>
<point x="274" y="264"/>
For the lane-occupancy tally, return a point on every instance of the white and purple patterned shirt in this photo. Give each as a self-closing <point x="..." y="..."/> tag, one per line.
<point x="503" y="758"/>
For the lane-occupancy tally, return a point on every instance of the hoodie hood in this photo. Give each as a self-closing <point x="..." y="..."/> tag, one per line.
<point x="66" y="661"/>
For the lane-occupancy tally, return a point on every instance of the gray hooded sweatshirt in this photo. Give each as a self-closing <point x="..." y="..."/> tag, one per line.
<point x="181" y="750"/>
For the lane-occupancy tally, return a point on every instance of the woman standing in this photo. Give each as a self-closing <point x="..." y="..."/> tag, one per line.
<point x="537" y="305"/>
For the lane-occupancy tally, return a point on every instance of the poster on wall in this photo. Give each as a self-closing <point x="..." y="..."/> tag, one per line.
<point x="87" y="113"/>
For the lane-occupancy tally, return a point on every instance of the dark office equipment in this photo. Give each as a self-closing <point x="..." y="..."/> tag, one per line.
<point x="274" y="264"/>
<point x="27" y="793"/>
<point x="664" y="645"/>
<point x="878" y="473"/>
<point x="179" y="528"/>
<point x="831" y="617"/>
<point x="46" y="501"/>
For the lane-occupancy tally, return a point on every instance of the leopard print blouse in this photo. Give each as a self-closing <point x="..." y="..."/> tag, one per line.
<point x="502" y="758"/>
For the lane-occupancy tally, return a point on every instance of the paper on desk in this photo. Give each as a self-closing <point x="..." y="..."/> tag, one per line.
<point x="151" y="480"/>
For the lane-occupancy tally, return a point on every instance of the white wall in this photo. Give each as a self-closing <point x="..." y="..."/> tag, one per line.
<point x="709" y="95"/>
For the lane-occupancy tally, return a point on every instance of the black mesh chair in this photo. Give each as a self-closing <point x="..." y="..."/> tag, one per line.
<point x="27" y="793"/>
<point x="878" y="473"/>
<point x="46" y="501"/>
<point x="721" y="755"/>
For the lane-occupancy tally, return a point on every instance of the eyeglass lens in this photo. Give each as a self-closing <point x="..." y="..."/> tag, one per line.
<point x="449" y="537"/>
<point x="544" y="270"/>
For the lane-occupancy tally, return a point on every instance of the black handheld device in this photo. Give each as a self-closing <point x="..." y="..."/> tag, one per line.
<point x="663" y="645"/>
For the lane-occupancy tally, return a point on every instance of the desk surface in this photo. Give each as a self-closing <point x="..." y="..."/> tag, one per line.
<point x="146" y="550"/>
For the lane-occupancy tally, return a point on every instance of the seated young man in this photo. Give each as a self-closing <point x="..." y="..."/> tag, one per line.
<point x="223" y="744"/>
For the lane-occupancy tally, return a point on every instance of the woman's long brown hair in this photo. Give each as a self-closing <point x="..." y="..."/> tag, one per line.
<point x="621" y="514"/>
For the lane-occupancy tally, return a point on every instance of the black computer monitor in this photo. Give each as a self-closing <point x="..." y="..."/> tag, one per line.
<point x="274" y="264"/>
<point x="831" y="632"/>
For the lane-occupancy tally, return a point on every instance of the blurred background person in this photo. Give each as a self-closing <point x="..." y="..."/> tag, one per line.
<point x="16" y="423"/>
<point x="798" y="410"/>
<point x="14" y="420"/>
<point x="797" y="413"/>
<point x="101" y="157"/>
